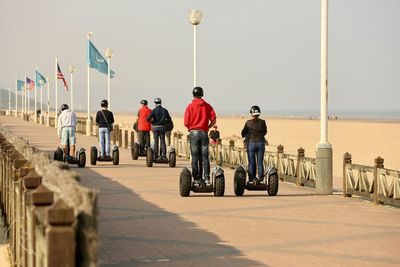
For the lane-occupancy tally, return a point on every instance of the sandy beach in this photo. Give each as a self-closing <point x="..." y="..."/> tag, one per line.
<point x="363" y="139"/>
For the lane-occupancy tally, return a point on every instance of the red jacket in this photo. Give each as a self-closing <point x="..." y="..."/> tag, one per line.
<point x="198" y="115"/>
<point x="143" y="124"/>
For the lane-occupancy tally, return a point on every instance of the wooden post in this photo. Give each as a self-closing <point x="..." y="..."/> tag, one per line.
<point x="132" y="138"/>
<point x="378" y="164"/>
<point x="280" y="151"/>
<point x="231" y="147"/>
<point x="218" y="159"/>
<point x="126" y="139"/>
<point x="300" y="157"/>
<point x="346" y="160"/>
<point x="119" y="137"/>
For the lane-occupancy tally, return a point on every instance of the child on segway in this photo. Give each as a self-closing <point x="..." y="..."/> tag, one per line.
<point x="254" y="132"/>
<point x="67" y="122"/>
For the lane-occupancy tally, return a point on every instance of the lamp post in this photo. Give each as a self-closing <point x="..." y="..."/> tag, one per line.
<point x="109" y="53"/>
<point x="72" y="69"/>
<point x="89" y="120"/>
<point x="324" y="173"/>
<point x="48" y="102"/>
<point x="41" y="102"/>
<point x="195" y="17"/>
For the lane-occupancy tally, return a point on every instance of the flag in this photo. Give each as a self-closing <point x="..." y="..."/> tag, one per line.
<point x="97" y="61"/>
<point x="40" y="79"/>
<point x="60" y="76"/>
<point x="20" y="85"/>
<point x="30" y="84"/>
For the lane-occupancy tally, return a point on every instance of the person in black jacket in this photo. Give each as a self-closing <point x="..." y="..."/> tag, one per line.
<point x="159" y="117"/>
<point x="254" y="132"/>
<point x="104" y="120"/>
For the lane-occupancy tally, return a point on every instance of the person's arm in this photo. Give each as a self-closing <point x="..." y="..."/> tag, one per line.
<point x="111" y="118"/>
<point x="265" y="128"/>
<point x="59" y="126"/>
<point x="150" y="117"/>
<point x="186" y="117"/>
<point x="213" y="117"/>
<point x="97" y="118"/>
<point x="245" y="130"/>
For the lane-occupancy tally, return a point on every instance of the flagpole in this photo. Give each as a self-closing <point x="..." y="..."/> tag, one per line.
<point x="29" y="103"/>
<point x="16" y="97"/>
<point x="109" y="53"/>
<point x="35" y="111"/>
<point x="71" y="71"/>
<point x="9" y="101"/>
<point x="25" y="98"/>
<point x="48" y="102"/>
<point x="88" y="121"/>
<point x="41" y="102"/>
<point x="56" y="107"/>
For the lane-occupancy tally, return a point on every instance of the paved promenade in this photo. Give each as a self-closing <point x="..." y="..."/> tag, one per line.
<point x="144" y="222"/>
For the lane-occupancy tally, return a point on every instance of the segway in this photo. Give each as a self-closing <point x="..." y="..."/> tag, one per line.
<point x="270" y="183"/>
<point x="94" y="156"/>
<point x="187" y="182"/>
<point x="80" y="156"/>
<point x="151" y="157"/>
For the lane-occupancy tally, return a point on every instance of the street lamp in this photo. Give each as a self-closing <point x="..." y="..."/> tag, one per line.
<point x="195" y="17"/>
<point x="109" y="53"/>
<point x="324" y="173"/>
<point x="89" y="120"/>
<point x="72" y="69"/>
<point x="48" y="102"/>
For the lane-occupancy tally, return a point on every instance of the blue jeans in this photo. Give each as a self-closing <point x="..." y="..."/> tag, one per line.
<point x="104" y="140"/>
<point x="159" y="133"/>
<point x="199" y="150"/>
<point x="256" y="149"/>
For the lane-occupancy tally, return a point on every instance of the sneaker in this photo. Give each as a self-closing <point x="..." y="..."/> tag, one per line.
<point x="164" y="158"/>
<point x="261" y="180"/>
<point x="196" y="182"/>
<point x="208" y="182"/>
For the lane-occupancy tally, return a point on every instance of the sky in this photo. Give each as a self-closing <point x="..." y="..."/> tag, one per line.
<point x="255" y="52"/>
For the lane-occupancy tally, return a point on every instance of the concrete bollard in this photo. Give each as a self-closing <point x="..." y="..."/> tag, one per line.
<point x="378" y="164"/>
<point x="132" y="138"/>
<point x="324" y="169"/>
<point x="119" y="137"/>
<point x="231" y="147"/>
<point x="346" y="160"/>
<point x="300" y="157"/>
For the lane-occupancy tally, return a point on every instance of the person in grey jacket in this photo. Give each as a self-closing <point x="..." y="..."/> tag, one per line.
<point x="254" y="132"/>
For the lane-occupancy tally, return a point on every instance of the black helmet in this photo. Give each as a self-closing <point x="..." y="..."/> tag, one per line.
<point x="104" y="103"/>
<point x="157" y="100"/>
<point x="198" y="92"/>
<point x="144" y="102"/>
<point x="255" y="111"/>
<point x="64" y="107"/>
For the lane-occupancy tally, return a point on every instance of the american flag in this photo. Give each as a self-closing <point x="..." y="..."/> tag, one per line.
<point x="30" y="84"/>
<point x="60" y="76"/>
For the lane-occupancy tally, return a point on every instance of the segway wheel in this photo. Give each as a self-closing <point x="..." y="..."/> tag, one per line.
<point x="273" y="184"/>
<point x="82" y="160"/>
<point x="149" y="157"/>
<point x="93" y="155"/>
<point x="239" y="182"/>
<point x="185" y="181"/>
<point x="59" y="154"/>
<point x="219" y="187"/>
<point x="172" y="159"/>
<point x="115" y="156"/>
<point x="135" y="151"/>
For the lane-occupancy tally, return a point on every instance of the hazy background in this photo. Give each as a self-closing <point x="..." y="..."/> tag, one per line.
<point x="249" y="52"/>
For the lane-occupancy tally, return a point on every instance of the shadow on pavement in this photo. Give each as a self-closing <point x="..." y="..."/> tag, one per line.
<point x="135" y="232"/>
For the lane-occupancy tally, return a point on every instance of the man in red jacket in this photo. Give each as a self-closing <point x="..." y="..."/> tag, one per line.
<point x="144" y="126"/>
<point x="199" y="117"/>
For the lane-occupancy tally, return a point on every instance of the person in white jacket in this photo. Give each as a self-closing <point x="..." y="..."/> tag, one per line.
<point x="66" y="130"/>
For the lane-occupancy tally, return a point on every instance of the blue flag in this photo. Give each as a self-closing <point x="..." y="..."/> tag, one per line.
<point x="40" y="79"/>
<point x="20" y="85"/>
<point x="97" y="61"/>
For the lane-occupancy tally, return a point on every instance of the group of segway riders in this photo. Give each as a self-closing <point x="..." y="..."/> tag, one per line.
<point x="199" y="118"/>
